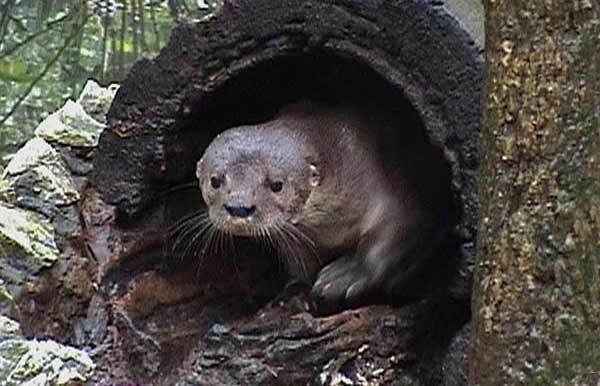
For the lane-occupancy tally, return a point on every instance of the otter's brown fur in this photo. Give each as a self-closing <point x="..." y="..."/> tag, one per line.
<point x="320" y="184"/>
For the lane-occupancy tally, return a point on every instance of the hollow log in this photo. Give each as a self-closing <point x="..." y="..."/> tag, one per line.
<point x="158" y="318"/>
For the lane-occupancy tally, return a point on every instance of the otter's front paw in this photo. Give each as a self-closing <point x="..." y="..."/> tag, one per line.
<point x="343" y="279"/>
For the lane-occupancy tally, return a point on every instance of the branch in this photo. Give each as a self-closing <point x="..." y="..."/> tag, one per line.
<point x="44" y="71"/>
<point x="31" y="37"/>
<point x="6" y="8"/>
<point x="155" y="28"/>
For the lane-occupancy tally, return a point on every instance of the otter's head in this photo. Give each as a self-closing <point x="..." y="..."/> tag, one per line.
<point x="254" y="178"/>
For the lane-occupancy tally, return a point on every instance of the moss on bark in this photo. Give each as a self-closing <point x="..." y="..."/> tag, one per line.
<point x="536" y="300"/>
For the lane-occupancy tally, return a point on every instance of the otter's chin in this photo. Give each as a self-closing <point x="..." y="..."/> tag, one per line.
<point x="239" y="227"/>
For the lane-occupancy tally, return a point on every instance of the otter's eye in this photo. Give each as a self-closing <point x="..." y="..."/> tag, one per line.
<point x="215" y="182"/>
<point x="276" y="186"/>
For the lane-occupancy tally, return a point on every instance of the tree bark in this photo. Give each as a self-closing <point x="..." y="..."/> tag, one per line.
<point x="537" y="295"/>
<point x="151" y="315"/>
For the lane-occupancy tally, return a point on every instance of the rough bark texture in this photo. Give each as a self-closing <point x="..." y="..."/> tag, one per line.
<point x="537" y="294"/>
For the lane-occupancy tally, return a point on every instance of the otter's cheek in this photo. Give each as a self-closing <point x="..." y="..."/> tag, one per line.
<point x="279" y="213"/>
<point x="210" y="198"/>
<point x="292" y="201"/>
<point x="279" y="202"/>
<point x="266" y="217"/>
<point x="215" y="213"/>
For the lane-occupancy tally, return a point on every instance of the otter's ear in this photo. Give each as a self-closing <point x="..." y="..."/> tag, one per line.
<point x="199" y="168"/>
<point x="315" y="176"/>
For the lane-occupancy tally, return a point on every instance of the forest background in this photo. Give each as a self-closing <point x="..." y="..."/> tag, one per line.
<point x="50" y="48"/>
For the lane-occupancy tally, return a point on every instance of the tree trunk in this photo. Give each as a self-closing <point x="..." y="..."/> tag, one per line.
<point x="537" y="295"/>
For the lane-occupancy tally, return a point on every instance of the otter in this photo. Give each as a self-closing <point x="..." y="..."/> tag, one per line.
<point x="346" y="214"/>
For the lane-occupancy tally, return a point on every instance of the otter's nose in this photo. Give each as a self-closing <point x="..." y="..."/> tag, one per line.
<point x="240" y="211"/>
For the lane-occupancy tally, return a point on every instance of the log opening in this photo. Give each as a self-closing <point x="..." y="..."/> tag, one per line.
<point x="411" y="59"/>
<point x="256" y="94"/>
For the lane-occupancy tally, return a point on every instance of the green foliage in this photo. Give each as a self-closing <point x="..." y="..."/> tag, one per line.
<point x="16" y="70"/>
<point x="49" y="48"/>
